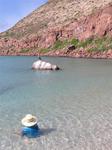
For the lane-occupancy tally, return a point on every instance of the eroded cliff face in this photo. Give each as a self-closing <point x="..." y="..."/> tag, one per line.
<point x="54" y="13"/>
<point x="91" y="22"/>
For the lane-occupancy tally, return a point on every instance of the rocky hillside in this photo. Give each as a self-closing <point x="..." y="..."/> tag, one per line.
<point x="58" y="20"/>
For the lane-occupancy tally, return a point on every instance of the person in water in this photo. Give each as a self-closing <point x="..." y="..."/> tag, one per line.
<point x="30" y="128"/>
<point x="39" y="58"/>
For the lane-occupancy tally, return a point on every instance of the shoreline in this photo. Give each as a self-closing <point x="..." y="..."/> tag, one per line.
<point x="72" y="54"/>
<point x="74" y="57"/>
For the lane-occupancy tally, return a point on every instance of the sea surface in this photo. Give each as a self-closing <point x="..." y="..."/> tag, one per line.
<point x="73" y="105"/>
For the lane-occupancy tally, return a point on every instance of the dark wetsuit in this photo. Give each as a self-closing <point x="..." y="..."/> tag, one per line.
<point x="39" y="58"/>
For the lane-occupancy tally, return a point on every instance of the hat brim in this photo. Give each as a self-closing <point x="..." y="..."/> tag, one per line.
<point x="28" y="124"/>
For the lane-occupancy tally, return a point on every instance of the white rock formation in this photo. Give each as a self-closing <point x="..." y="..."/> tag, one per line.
<point x="42" y="65"/>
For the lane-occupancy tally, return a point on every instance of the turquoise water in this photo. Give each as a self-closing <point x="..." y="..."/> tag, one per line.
<point x="73" y="106"/>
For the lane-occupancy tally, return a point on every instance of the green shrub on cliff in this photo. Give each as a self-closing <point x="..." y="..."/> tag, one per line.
<point x="101" y="44"/>
<point x="74" y="42"/>
<point x="91" y="45"/>
<point x="25" y="50"/>
<point x="44" y="50"/>
<point x="85" y="43"/>
<point x="60" y="44"/>
<point x="79" y="44"/>
<point x="97" y="49"/>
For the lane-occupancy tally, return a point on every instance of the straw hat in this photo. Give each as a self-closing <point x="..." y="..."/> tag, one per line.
<point x="29" y="120"/>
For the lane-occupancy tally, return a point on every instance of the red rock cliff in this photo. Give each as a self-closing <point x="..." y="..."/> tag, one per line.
<point x="97" y="24"/>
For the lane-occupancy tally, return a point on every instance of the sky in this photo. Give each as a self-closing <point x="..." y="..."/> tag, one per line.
<point x="11" y="11"/>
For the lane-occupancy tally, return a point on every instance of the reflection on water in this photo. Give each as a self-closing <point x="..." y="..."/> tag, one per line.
<point x="73" y="106"/>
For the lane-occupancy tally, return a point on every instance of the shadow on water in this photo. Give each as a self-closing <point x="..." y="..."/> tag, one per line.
<point x="44" y="132"/>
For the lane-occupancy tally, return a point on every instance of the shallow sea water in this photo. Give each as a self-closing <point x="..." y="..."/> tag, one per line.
<point x="73" y="106"/>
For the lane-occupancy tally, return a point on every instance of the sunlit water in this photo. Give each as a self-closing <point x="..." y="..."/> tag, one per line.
<point x="74" y="105"/>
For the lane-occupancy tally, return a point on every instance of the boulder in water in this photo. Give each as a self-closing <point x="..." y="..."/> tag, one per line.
<point x="42" y="65"/>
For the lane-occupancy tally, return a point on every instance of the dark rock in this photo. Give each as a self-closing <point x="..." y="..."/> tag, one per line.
<point x="71" y="47"/>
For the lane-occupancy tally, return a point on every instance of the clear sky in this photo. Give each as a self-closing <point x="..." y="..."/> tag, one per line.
<point x="11" y="11"/>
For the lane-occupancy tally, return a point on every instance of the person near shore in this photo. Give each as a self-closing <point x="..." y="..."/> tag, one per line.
<point x="39" y="58"/>
<point x="30" y="128"/>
